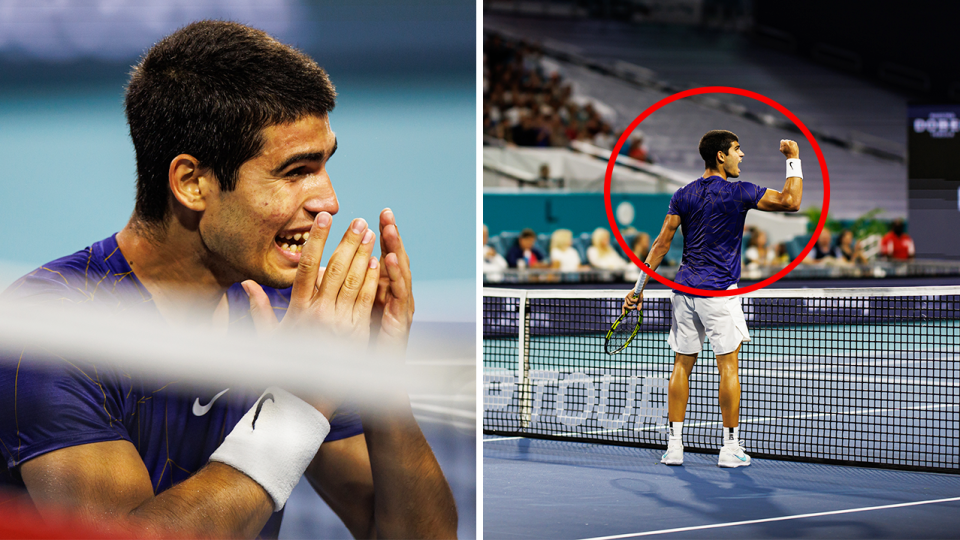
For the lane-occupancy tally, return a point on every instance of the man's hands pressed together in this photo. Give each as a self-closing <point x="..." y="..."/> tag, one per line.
<point x="394" y="306"/>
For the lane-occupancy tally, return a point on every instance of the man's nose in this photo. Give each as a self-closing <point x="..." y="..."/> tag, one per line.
<point x="321" y="197"/>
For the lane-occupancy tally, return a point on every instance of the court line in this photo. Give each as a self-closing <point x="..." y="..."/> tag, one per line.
<point x="768" y="520"/>
<point x="504" y="439"/>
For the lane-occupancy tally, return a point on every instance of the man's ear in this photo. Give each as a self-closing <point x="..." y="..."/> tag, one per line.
<point x="190" y="183"/>
<point x="720" y="157"/>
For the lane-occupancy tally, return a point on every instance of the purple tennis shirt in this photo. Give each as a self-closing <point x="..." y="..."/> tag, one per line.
<point x="174" y="425"/>
<point x="712" y="211"/>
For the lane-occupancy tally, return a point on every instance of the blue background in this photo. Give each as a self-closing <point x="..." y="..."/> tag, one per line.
<point x="405" y="121"/>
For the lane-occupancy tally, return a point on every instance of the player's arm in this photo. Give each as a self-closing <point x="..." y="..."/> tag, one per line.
<point x="108" y="484"/>
<point x="659" y="250"/>
<point x="789" y="199"/>
<point x="386" y="483"/>
<point x="412" y="499"/>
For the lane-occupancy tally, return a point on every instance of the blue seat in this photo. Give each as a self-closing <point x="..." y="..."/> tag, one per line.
<point x="543" y="244"/>
<point x="796" y="245"/>
<point x="582" y="243"/>
<point x="629" y="238"/>
<point x="497" y="243"/>
<point x="507" y="240"/>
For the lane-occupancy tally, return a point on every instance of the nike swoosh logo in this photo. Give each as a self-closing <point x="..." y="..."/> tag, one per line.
<point x="740" y="458"/>
<point x="791" y="165"/>
<point x="200" y="410"/>
<point x="253" y="425"/>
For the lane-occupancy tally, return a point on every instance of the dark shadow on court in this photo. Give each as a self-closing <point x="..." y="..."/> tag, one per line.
<point x="736" y="496"/>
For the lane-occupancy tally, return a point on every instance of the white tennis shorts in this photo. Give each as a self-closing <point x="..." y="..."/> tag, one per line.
<point x="718" y="318"/>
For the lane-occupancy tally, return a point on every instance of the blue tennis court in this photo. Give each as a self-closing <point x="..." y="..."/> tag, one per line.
<point x="559" y="489"/>
<point x="833" y="383"/>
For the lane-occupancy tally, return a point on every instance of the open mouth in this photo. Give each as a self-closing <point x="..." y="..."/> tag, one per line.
<point x="291" y="243"/>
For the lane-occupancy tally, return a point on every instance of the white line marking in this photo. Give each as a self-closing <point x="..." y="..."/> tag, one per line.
<point x="768" y="520"/>
<point x="503" y="439"/>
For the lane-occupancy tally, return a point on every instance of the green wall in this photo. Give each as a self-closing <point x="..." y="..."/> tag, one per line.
<point x="579" y="212"/>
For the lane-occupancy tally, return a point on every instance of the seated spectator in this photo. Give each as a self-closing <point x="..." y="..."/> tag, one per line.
<point x="562" y="254"/>
<point x="782" y="255"/>
<point x="545" y="179"/>
<point x="635" y="148"/>
<point x="758" y="254"/>
<point x="524" y="254"/>
<point x="605" y="137"/>
<point x="601" y="255"/>
<point x="493" y="263"/>
<point x="897" y="245"/>
<point x="824" y="252"/>
<point x="641" y="246"/>
<point x="851" y="250"/>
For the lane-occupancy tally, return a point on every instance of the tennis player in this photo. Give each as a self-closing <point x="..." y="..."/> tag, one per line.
<point x="233" y="207"/>
<point x="711" y="211"/>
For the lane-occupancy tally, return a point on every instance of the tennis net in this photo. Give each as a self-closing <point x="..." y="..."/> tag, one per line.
<point x="854" y="376"/>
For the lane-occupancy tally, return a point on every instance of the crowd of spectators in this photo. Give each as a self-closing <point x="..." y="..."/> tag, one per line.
<point x="562" y="255"/>
<point x="526" y="106"/>
<point x="523" y="253"/>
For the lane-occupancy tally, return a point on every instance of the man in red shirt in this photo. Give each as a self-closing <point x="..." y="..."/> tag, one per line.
<point x="897" y="245"/>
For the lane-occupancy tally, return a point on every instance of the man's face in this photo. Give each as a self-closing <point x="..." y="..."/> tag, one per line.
<point x="731" y="161"/>
<point x="278" y="196"/>
<point x="824" y="240"/>
<point x="527" y="242"/>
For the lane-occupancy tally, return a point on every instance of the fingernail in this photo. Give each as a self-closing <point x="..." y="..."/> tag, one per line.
<point x="367" y="237"/>
<point x="359" y="225"/>
<point x="324" y="219"/>
<point x="373" y="262"/>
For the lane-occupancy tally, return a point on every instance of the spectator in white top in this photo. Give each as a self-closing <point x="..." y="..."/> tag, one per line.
<point x="758" y="254"/>
<point x="493" y="263"/>
<point x="563" y="256"/>
<point x="601" y="254"/>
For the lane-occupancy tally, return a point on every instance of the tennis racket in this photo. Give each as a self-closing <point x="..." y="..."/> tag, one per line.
<point x="623" y="330"/>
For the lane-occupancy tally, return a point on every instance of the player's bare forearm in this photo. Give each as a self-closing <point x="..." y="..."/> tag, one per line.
<point x="217" y="502"/>
<point x="661" y="247"/>
<point x="659" y="250"/>
<point x="412" y="498"/>
<point x="792" y="193"/>
<point x="108" y="485"/>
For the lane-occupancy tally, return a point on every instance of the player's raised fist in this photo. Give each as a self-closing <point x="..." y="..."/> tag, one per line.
<point x="789" y="148"/>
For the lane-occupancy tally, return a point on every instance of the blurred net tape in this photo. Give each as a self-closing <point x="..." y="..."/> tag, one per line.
<point x="440" y="390"/>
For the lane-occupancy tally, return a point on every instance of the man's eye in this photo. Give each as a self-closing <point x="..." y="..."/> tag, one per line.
<point x="299" y="171"/>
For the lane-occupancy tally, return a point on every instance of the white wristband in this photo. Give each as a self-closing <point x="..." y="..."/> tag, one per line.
<point x="274" y="442"/>
<point x="793" y="168"/>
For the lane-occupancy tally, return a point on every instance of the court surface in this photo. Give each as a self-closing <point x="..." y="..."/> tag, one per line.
<point x="558" y="489"/>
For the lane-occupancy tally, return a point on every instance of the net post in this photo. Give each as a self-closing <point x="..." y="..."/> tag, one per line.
<point x="523" y="363"/>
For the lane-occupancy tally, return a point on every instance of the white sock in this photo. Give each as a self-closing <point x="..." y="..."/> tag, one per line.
<point x="731" y="436"/>
<point x="676" y="430"/>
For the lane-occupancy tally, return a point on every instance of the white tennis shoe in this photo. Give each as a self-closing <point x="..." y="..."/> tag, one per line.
<point x="733" y="456"/>
<point x="674" y="453"/>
